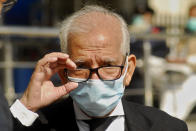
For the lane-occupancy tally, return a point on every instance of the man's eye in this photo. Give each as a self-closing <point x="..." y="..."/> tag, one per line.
<point x="82" y="65"/>
<point x="109" y="64"/>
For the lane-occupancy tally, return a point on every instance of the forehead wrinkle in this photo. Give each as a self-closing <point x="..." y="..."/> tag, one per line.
<point x="100" y="30"/>
<point x="84" y="59"/>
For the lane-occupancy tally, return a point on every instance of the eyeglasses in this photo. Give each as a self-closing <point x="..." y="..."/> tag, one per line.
<point x="105" y="73"/>
<point x="8" y="5"/>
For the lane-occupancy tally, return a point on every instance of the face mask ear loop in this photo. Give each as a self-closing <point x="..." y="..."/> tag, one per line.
<point x="126" y="66"/>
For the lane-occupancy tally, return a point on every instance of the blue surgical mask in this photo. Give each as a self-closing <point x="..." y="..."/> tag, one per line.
<point x="98" y="98"/>
<point x="191" y="25"/>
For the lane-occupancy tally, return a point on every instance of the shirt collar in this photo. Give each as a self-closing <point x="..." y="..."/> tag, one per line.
<point x="118" y="111"/>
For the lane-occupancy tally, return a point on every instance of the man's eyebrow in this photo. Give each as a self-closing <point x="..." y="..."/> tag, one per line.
<point x="109" y="60"/>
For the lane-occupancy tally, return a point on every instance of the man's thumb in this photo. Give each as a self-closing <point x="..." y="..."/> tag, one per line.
<point x="66" y="88"/>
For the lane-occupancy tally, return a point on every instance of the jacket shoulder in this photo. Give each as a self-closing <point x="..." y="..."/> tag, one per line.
<point x="154" y="118"/>
<point x="161" y="118"/>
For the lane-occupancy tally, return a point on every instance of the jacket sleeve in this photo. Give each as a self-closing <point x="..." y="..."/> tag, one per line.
<point x="40" y="124"/>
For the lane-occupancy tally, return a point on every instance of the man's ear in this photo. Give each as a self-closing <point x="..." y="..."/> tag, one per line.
<point x="61" y="74"/>
<point x="130" y="70"/>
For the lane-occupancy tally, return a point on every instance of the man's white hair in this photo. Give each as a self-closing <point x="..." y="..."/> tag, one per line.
<point x="68" y="27"/>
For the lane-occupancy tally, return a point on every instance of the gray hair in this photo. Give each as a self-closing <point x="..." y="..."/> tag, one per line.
<point x="67" y="27"/>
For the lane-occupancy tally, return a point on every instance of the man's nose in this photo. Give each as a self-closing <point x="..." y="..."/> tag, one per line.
<point x="94" y="75"/>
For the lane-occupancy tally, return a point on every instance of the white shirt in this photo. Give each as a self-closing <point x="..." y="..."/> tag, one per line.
<point x="117" y="125"/>
<point x="27" y="117"/>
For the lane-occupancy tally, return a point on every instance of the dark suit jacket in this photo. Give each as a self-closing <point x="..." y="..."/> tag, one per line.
<point x="5" y="115"/>
<point x="60" y="117"/>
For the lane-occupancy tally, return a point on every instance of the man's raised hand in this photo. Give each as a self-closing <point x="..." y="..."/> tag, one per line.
<point x="41" y="91"/>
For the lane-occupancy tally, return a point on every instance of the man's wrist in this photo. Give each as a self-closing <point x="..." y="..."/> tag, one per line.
<point x="23" y="100"/>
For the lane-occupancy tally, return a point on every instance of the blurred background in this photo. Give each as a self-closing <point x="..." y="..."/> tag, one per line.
<point x="163" y="38"/>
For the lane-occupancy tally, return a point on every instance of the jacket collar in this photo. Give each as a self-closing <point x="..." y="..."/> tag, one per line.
<point x="134" y="119"/>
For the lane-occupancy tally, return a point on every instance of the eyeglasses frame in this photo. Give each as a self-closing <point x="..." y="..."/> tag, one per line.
<point x="96" y="71"/>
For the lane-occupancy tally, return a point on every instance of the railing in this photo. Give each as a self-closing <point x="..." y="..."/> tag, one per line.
<point x="8" y="64"/>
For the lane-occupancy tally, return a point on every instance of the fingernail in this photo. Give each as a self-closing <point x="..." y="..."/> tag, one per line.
<point x="65" y="55"/>
<point x="74" y="84"/>
<point x="74" y="65"/>
<point x="54" y="58"/>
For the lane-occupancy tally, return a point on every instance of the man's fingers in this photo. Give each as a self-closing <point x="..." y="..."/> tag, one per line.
<point x="62" y="59"/>
<point x="50" y="61"/>
<point x="57" y="54"/>
<point x="42" y="63"/>
<point x="49" y="72"/>
<point x="68" y="64"/>
<point x="52" y="57"/>
<point x="65" y="89"/>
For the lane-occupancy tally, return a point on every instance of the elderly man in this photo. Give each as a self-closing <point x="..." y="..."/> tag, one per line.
<point x="94" y="66"/>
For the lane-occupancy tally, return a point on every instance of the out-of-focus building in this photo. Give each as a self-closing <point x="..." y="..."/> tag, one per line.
<point x="171" y="12"/>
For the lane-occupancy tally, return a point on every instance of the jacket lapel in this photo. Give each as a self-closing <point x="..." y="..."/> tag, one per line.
<point x="62" y="116"/>
<point x="134" y="120"/>
<point x="72" y="114"/>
